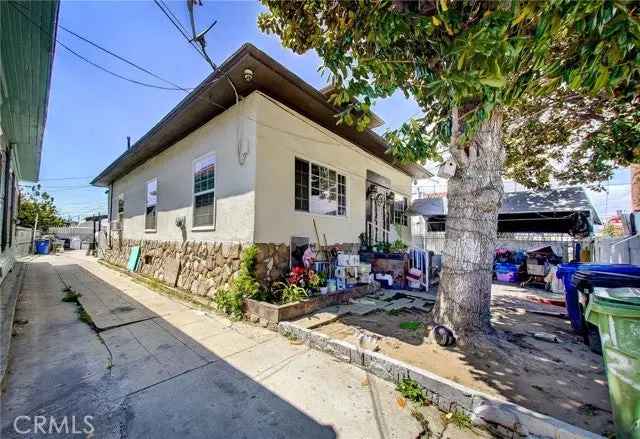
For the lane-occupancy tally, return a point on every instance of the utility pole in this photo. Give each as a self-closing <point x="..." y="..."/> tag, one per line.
<point x="33" y="233"/>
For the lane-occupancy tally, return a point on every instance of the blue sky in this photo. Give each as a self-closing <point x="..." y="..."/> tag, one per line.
<point x="91" y="113"/>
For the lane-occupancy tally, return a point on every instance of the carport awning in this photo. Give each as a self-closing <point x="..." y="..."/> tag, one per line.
<point x="27" y="32"/>
<point x="561" y="210"/>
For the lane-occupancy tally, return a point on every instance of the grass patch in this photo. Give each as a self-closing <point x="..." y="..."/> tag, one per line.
<point x="459" y="419"/>
<point x="411" y="326"/>
<point x="412" y="391"/>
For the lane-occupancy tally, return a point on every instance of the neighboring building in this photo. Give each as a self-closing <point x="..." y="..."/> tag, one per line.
<point x="27" y="32"/>
<point x="260" y="171"/>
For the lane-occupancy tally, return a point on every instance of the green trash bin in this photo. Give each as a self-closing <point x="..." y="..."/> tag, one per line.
<point x="616" y="313"/>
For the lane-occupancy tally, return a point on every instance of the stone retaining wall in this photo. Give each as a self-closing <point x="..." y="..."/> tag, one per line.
<point x="199" y="267"/>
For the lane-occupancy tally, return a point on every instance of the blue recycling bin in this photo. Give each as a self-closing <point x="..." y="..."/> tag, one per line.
<point x="42" y="246"/>
<point x="566" y="272"/>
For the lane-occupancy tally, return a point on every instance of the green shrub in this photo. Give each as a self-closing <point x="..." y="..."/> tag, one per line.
<point x="244" y="284"/>
<point x="412" y="391"/>
<point x="229" y="302"/>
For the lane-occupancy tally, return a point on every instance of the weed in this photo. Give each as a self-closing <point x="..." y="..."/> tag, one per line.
<point x="424" y="423"/>
<point x="70" y="296"/>
<point x="394" y="312"/>
<point x="411" y="326"/>
<point x="459" y="419"/>
<point x="84" y="316"/>
<point x="411" y="390"/>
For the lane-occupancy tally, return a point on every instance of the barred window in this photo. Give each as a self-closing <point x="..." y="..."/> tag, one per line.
<point x="400" y="206"/>
<point x="319" y="189"/>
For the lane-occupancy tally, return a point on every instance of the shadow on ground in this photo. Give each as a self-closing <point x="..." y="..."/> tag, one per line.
<point x="144" y="377"/>
<point x="564" y="380"/>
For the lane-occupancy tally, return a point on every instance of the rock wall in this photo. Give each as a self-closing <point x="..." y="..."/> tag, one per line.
<point x="199" y="268"/>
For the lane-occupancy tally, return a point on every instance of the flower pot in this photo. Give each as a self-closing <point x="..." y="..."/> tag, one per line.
<point x="324" y="290"/>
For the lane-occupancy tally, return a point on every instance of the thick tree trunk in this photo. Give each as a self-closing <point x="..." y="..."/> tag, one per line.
<point x="474" y="197"/>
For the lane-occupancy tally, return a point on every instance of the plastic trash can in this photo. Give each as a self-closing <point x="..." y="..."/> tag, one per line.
<point x="572" y="302"/>
<point x="42" y="246"/>
<point x="616" y="313"/>
<point x="586" y="282"/>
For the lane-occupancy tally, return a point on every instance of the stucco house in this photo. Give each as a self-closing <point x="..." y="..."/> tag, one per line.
<point x="254" y="155"/>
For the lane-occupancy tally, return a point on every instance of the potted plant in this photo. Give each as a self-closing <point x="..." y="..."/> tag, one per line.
<point x="322" y="285"/>
<point x="313" y="280"/>
<point x="398" y="246"/>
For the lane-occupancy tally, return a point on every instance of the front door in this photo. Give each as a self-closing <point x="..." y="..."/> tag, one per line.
<point x="378" y="213"/>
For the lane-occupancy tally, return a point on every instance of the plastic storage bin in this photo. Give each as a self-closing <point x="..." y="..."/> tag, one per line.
<point x="507" y="272"/>
<point x="616" y="313"/>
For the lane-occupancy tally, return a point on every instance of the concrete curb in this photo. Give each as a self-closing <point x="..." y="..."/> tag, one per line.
<point x="503" y="418"/>
<point x="13" y="284"/>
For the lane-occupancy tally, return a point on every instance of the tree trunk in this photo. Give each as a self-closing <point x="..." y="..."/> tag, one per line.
<point x="635" y="188"/>
<point x="474" y="198"/>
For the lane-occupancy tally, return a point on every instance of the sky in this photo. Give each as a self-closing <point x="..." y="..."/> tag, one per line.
<point x="91" y="113"/>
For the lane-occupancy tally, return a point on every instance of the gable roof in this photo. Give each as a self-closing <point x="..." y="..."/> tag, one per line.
<point x="271" y="78"/>
<point x="566" y="199"/>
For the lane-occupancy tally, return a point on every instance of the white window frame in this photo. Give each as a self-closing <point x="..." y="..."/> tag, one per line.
<point x="201" y="158"/>
<point x="146" y="204"/>
<point x="331" y="168"/>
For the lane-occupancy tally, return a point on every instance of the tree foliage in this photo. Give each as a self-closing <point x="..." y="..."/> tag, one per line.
<point x="564" y="73"/>
<point x="40" y="204"/>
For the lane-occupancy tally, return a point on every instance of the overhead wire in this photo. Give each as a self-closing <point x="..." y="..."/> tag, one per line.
<point x="88" y="61"/>
<point x="123" y="59"/>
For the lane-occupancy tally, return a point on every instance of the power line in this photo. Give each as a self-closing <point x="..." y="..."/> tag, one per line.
<point x="166" y="6"/>
<point x="64" y="178"/>
<point x="121" y="58"/>
<point x="104" y="69"/>
<point x="178" y="26"/>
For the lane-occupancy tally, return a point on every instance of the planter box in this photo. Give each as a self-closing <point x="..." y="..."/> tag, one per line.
<point x="270" y="314"/>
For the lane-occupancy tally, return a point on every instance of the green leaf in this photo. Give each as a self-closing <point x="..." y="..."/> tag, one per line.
<point x="495" y="82"/>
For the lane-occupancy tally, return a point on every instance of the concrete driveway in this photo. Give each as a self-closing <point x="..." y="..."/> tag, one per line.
<point x="158" y="368"/>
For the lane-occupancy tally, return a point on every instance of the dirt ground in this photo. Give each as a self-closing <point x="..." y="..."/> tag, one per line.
<point x="564" y="380"/>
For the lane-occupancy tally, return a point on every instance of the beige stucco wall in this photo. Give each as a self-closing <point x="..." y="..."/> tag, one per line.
<point x="234" y="183"/>
<point x="282" y="135"/>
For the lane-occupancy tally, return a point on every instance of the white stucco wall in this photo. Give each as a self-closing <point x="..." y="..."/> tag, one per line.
<point x="254" y="202"/>
<point x="234" y="184"/>
<point x="283" y="135"/>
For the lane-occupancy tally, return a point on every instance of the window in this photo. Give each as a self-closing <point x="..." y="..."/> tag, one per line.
<point x="319" y="189"/>
<point x="120" y="207"/>
<point x="151" y="216"/>
<point x="400" y="206"/>
<point x="204" y="184"/>
<point x="120" y="217"/>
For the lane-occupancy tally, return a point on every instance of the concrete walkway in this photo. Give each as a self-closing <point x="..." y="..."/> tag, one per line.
<point x="157" y="368"/>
